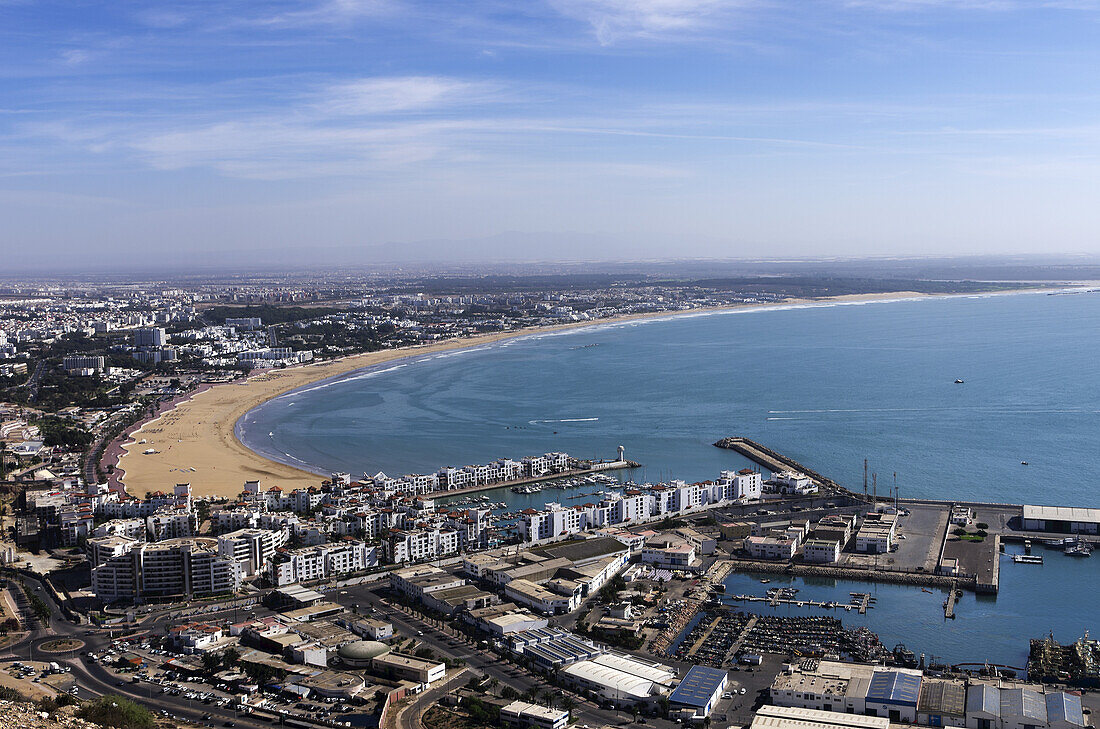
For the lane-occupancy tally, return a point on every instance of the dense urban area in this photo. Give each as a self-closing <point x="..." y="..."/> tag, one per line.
<point x="427" y="601"/>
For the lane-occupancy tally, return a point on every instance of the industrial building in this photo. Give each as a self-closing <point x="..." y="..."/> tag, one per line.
<point x="620" y="680"/>
<point x="905" y="695"/>
<point x="521" y="714"/>
<point x="1061" y="519"/>
<point x="697" y="694"/>
<point x="790" y="717"/>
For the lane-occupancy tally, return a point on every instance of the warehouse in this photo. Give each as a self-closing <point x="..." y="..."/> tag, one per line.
<point x="942" y="703"/>
<point x="894" y="694"/>
<point x="697" y="694"/>
<point x="1061" y="519"/>
<point x="789" y="717"/>
<point x="620" y="680"/>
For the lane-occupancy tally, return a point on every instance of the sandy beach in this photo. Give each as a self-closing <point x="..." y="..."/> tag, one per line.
<point x="195" y="441"/>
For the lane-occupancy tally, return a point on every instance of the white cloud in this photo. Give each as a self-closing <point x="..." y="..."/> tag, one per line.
<point x="75" y="57"/>
<point x="612" y="20"/>
<point x="400" y="94"/>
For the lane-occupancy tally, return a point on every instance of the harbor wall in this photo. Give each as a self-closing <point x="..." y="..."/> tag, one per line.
<point x="852" y="573"/>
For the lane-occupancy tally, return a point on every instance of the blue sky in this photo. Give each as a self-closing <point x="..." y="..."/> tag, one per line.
<point x="655" y="128"/>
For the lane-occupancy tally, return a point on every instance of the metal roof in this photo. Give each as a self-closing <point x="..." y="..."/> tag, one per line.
<point x="942" y="697"/>
<point x="612" y="679"/>
<point x="984" y="698"/>
<point x="1062" y="513"/>
<point x="894" y="687"/>
<point x="1023" y="703"/>
<point x="1063" y="707"/>
<point x="699" y="686"/>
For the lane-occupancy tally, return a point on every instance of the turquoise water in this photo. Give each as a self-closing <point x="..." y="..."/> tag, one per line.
<point x="828" y="385"/>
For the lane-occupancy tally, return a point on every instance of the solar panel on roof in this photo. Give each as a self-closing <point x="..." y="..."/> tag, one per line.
<point x="698" y="686"/>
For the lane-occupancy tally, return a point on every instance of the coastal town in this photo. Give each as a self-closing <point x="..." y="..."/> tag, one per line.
<point x="535" y="590"/>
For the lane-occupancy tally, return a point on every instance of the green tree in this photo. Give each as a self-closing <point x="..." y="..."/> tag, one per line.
<point x="116" y="712"/>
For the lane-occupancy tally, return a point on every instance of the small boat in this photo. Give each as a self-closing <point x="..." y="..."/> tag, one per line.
<point x="958" y="382"/>
<point x="1027" y="558"/>
<point x="1023" y="463"/>
<point x="925" y="589"/>
<point x="1078" y="549"/>
<point x="764" y="582"/>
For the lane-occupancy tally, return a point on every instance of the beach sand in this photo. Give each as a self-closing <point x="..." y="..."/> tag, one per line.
<point x="195" y="441"/>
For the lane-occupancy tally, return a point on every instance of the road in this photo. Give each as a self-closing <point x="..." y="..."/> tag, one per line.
<point x="456" y="645"/>
<point x="94" y="680"/>
<point x="410" y="715"/>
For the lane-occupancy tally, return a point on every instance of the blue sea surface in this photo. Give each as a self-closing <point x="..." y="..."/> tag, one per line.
<point x="828" y="385"/>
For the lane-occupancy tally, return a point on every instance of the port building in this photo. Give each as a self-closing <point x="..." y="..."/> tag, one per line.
<point x="1061" y="519"/>
<point x="905" y="696"/>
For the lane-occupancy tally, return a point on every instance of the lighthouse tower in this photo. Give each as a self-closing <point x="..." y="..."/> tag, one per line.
<point x="622" y="453"/>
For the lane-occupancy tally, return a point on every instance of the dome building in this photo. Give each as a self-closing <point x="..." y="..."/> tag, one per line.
<point x="360" y="653"/>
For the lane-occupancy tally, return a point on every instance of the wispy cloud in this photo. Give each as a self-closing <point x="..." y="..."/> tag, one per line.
<point x="401" y="94"/>
<point x="614" y="20"/>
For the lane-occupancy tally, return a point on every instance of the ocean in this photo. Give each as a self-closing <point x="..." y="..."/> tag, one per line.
<point x="829" y="385"/>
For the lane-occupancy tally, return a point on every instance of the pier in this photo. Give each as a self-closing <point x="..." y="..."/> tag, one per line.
<point x="703" y="638"/>
<point x="773" y="461"/>
<point x="949" y="603"/>
<point x="860" y="602"/>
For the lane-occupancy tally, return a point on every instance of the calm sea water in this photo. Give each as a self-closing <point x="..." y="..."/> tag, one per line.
<point x="827" y="385"/>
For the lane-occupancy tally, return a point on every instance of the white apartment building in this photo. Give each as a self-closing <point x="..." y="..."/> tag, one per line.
<point x="322" y="562"/>
<point x="252" y="548"/>
<point x="171" y="523"/>
<point x="417" y="545"/>
<point x="745" y="484"/>
<point x="130" y="528"/>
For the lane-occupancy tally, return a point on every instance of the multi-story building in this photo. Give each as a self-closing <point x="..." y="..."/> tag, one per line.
<point x="821" y="551"/>
<point x="172" y="569"/>
<point x="418" y="544"/>
<point x="252" y="548"/>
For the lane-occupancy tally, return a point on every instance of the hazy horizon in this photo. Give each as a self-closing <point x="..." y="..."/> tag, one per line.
<point x="394" y="131"/>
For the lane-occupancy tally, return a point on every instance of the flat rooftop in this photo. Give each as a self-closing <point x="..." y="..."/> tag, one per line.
<point x="1062" y="513"/>
<point x="699" y="686"/>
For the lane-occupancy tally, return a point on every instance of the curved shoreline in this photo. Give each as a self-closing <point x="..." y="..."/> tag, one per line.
<point x="199" y="435"/>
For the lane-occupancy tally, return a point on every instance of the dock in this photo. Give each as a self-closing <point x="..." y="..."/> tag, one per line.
<point x="860" y="604"/>
<point x="588" y="469"/>
<point x="703" y="638"/>
<point x="735" y="647"/>
<point x="949" y="603"/>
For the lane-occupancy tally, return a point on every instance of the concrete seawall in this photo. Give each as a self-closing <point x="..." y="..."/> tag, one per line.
<point x="849" y="573"/>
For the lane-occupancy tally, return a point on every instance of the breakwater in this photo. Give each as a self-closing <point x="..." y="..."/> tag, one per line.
<point x="773" y="461"/>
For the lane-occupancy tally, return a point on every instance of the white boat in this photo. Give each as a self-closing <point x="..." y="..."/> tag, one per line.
<point x="1078" y="549"/>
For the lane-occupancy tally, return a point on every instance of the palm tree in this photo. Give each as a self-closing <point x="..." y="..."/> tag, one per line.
<point x="568" y="704"/>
